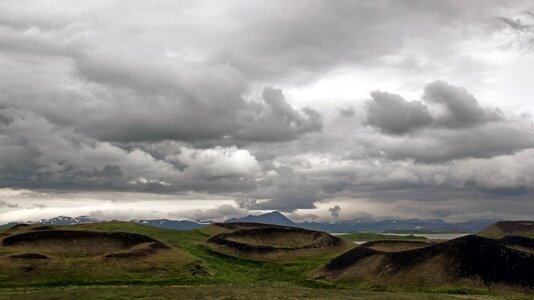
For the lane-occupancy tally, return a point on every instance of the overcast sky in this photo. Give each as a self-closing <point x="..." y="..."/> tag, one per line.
<point x="215" y="109"/>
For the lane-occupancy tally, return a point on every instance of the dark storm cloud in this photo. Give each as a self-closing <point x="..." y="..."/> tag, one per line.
<point x="334" y="211"/>
<point x="274" y="39"/>
<point x="307" y="38"/>
<point x="461" y="128"/>
<point x="441" y="145"/>
<point x="126" y="100"/>
<point x="295" y="185"/>
<point x="464" y="151"/>
<point x="392" y="114"/>
<point x="276" y="120"/>
<point x="36" y="153"/>
<point x="462" y="109"/>
<point x="98" y="97"/>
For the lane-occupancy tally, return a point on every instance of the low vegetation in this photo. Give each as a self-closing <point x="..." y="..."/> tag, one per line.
<point x="466" y="261"/>
<point x="260" y="291"/>
<point x="85" y="261"/>
<point x="509" y="228"/>
<point x="274" y="243"/>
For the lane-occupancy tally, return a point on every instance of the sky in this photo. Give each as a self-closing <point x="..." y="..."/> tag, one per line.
<point x="323" y="110"/>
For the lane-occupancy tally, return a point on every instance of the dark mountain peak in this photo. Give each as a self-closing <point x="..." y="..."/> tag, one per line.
<point x="274" y="217"/>
<point x="274" y="214"/>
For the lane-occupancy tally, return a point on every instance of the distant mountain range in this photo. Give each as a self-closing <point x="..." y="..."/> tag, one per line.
<point x="277" y="218"/>
<point x="173" y="224"/>
<point x="368" y="225"/>
<point x="62" y="220"/>
<point x="388" y="225"/>
<point x="7" y="225"/>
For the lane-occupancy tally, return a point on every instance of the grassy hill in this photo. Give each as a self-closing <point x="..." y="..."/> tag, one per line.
<point x="509" y="228"/>
<point x="274" y="243"/>
<point x="95" y="253"/>
<point x="189" y="261"/>
<point x="121" y="260"/>
<point x="466" y="261"/>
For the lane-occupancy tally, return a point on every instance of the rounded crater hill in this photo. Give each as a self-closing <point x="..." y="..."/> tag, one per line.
<point x="82" y="243"/>
<point x="263" y="242"/>
<point x="469" y="260"/>
<point x="509" y="228"/>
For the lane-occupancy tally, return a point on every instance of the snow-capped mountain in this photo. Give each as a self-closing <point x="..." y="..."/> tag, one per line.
<point x="277" y="218"/>
<point x="63" y="220"/>
<point x="173" y="224"/>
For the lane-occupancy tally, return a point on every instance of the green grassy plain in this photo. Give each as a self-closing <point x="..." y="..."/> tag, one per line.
<point x="226" y="291"/>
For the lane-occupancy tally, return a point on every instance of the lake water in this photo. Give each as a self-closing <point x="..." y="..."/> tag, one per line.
<point x="430" y="236"/>
<point x="437" y="236"/>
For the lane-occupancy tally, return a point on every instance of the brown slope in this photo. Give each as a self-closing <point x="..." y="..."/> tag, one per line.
<point x="504" y="228"/>
<point x="273" y="242"/>
<point x="470" y="259"/>
<point x="79" y="243"/>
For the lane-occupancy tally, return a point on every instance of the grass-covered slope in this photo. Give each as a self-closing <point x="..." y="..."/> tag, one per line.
<point x="509" y="228"/>
<point x="105" y="261"/>
<point x="120" y="260"/>
<point x="469" y="260"/>
<point x="45" y="255"/>
<point x="273" y="243"/>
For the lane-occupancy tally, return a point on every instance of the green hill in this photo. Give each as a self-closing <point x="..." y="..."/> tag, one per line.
<point x="96" y="253"/>
<point x="118" y="260"/>
<point x="97" y="259"/>
<point x="261" y="242"/>
<point x="509" y="228"/>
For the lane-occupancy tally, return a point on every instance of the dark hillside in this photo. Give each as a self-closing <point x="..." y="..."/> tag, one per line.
<point x="471" y="258"/>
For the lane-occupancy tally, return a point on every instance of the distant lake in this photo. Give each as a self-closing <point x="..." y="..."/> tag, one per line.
<point x="431" y="236"/>
<point x="437" y="236"/>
